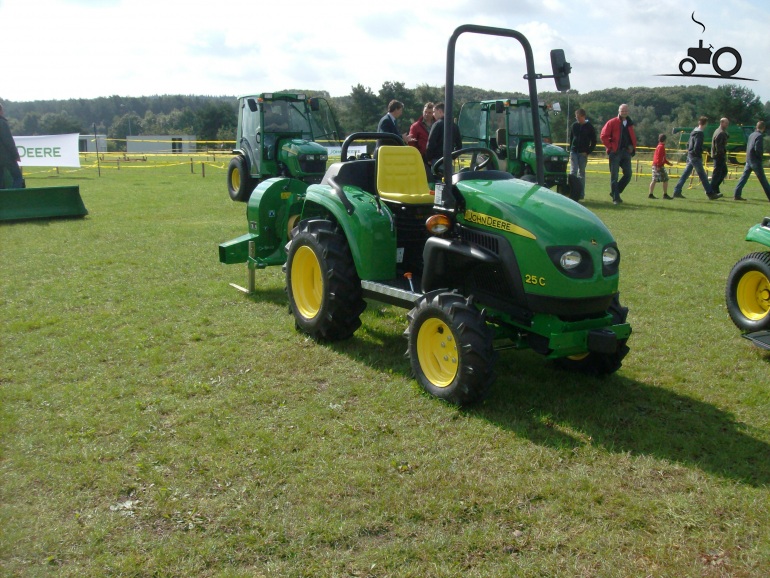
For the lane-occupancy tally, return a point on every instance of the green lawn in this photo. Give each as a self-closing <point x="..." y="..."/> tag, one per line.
<point x="156" y="422"/>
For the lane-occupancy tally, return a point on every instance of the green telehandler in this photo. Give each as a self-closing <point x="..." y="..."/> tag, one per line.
<point x="507" y="127"/>
<point x="484" y="262"/>
<point x="280" y="134"/>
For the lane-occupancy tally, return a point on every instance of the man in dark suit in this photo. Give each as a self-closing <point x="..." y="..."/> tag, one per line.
<point x="389" y="122"/>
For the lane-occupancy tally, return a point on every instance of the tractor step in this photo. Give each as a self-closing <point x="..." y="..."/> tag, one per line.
<point x="397" y="292"/>
<point x="759" y="338"/>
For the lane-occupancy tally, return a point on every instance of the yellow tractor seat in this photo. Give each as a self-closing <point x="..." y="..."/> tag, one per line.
<point x="401" y="176"/>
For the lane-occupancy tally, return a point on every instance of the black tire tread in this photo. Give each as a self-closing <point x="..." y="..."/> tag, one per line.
<point x="340" y="315"/>
<point x="475" y="347"/>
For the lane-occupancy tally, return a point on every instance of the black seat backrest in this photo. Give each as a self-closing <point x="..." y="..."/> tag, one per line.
<point x="353" y="173"/>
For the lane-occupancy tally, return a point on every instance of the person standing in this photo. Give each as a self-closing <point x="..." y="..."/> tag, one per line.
<point x="435" y="148"/>
<point x="659" y="172"/>
<point x="619" y="139"/>
<point x="719" y="155"/>
<point x="754" y="152"/>
<point x="582" y="144"/>
<point x="389" y="122"/>
<point x="695" y="161"/>
<point x="420" y="129"/>
<point x="9" y="155"/>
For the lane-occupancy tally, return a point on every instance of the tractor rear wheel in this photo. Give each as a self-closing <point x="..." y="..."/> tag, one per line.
<point x="322" y="283"/>
<point x="748" y="292"/>
<point x="239" y="182"/>
<point x="450" y="347"/>
<point x="593" y="363"/>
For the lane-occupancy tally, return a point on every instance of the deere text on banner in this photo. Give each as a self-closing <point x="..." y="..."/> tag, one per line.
<point x="57" y="150"/>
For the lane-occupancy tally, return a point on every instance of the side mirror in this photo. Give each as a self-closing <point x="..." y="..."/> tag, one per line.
<point x="314" y="105"/>
<point x="561" y="69"/>
<point x="252" y="104"/>
<point x="499" y="107"/>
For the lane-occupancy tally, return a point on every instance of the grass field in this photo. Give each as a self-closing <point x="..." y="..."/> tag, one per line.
<point x="156" y="422"/>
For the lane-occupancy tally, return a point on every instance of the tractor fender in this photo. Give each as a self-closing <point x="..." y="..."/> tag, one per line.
<point x="369" y="228"/>
<point x="760" y="233"/>
<point x="450" y="262"/>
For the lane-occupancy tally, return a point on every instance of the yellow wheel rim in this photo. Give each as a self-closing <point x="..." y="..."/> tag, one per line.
<point x="437" y="352"/>
<point x="753" y="295"/>
<point x="236" y="180"/>
<point x="306" y="282"/>
<point x="578" y="357"/>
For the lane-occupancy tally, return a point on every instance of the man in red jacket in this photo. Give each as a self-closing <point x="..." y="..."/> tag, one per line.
<point x="420" y="129"/>
<point x="620" y="141"/>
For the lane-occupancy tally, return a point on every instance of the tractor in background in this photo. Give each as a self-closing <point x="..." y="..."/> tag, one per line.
<point x="507" y="127"/>
<point x="280" y="134"/>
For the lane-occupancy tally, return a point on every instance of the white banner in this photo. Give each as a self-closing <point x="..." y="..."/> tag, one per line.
<point x="354" y="150"/>
<point x="57" y="150"/>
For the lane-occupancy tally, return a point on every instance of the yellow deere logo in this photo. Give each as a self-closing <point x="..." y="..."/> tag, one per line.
<point x="495" y="223"/>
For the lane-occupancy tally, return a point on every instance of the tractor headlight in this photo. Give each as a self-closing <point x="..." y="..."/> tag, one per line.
<point x="609" y="256"/>
<point x="610" y="260"/>
<point x="570" y="260"/>
<point x="573" y="261"/>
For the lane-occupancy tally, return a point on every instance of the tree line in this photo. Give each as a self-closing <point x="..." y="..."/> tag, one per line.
<point x="214" y="118"/>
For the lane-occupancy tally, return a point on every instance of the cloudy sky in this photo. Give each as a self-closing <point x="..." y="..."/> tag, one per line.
<point x="61" y="49"/>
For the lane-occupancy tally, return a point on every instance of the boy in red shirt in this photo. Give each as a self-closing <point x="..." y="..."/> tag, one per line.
<point x="659" y="172"/>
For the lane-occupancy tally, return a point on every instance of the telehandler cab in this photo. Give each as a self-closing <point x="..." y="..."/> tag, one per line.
<point x="506" y="126"/>
<point x="277" y="136"/>
<point x="486" y="262"/>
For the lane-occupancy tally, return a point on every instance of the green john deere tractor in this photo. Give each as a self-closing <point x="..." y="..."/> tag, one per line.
<point x="486" y="262"/>
<point x="748" y="289"/>
<point x="508" y="127"/>
<point x="280" y="134"/>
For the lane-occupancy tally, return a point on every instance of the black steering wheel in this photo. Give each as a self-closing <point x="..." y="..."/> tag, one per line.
<point x="480" y="159"/>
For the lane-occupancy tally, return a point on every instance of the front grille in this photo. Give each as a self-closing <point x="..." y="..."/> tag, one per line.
<point x="313" y="166"/>
<point x="483" y="240"/>
<point x="556" y="166"/>
<point x="491" y="280"/>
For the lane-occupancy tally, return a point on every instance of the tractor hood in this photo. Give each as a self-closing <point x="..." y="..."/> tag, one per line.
<point x="298" y="146"/>
<point x="535" y="212"/>
<point x="549" y="151"/>
<point x="541" y="226"/>
<point x="304" y="158"/>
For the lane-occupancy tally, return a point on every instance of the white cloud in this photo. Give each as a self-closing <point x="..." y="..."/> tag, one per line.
<point x="84" y="49"/>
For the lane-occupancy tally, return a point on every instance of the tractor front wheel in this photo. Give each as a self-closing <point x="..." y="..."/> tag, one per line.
<point x="748" y="292"/>
<point x="239" y="182"/>
<point x="322" y="283"/>
<point x="594" y="363"/>
<point x="450" y="348"/>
